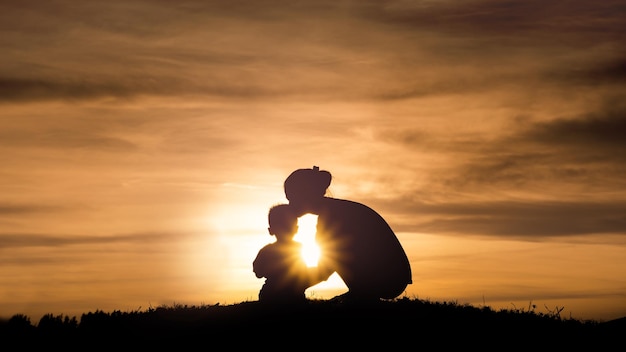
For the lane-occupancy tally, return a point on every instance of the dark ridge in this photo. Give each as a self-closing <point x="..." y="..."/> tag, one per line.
<point x="318" y="324"/>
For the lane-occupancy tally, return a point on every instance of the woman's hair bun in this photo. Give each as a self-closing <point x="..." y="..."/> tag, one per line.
<point x="308" y="182"/>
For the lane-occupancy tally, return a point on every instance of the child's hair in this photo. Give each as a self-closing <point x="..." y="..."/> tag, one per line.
<point x="281" y="216"/>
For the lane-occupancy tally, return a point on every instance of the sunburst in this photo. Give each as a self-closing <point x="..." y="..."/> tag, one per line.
<point x="306" y="235"/>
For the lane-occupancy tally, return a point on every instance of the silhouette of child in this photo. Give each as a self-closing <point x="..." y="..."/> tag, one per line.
<point x="280" y="263"/>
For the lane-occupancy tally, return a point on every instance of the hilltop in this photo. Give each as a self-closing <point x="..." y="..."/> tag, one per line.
<point x="317" y="324"/>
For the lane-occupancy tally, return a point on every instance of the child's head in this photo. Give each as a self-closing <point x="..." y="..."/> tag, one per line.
<point x="283" y="221"/>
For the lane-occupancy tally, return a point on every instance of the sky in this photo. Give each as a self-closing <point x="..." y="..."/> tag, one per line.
<point x="142" y="143"/>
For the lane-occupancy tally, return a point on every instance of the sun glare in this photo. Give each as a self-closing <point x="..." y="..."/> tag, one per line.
<point x="306" y="235"/>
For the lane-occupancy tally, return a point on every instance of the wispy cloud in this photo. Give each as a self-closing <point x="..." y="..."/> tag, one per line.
<point x="8" y="209"/>
<point x="526" y="220"/>
<point x="9" y="240"/>
<point x="597" y="134"/>
<point x="69" y="137"/>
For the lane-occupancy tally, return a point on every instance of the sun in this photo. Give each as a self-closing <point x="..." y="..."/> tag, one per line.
<point x="306" y="235"/>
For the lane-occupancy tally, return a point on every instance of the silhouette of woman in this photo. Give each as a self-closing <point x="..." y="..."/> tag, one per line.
<point x="355" y="241"/>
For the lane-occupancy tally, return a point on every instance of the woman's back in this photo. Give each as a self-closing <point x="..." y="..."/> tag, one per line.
<point x="362" y="248"/>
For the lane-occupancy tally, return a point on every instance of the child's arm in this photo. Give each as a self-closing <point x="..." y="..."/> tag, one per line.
<point x="258" y="265"/>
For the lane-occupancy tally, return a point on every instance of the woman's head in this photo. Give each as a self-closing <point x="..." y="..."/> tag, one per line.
<point x="304" y="186"/>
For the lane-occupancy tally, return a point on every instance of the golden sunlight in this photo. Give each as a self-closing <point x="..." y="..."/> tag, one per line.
<point x="306" y="235"/>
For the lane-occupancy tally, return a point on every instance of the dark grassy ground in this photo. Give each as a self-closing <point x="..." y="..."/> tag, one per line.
<point x="320" y="324"/>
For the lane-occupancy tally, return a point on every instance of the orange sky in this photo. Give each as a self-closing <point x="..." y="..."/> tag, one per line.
<point x="142" y="143"/>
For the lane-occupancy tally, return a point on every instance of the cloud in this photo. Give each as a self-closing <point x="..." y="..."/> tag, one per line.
<point x="325" y="50"/>
<point x="506" y="19"/>
<point x="14" y="240"/>
<point x="527" y="219"/>
<point x="598" y="133"/>
<point x="70" y="137"/>
<point x="29" y="89"/>
<point x="542" y="178"/>
<point x="122" y="86"/>
<point x="530" y="220"/>
<point x="13" y="209"/>
<point x="584" y="149"/>
<point x="602" y="71"/>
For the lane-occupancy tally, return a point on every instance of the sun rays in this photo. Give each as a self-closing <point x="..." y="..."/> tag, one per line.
<point x="306" y="235"/>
